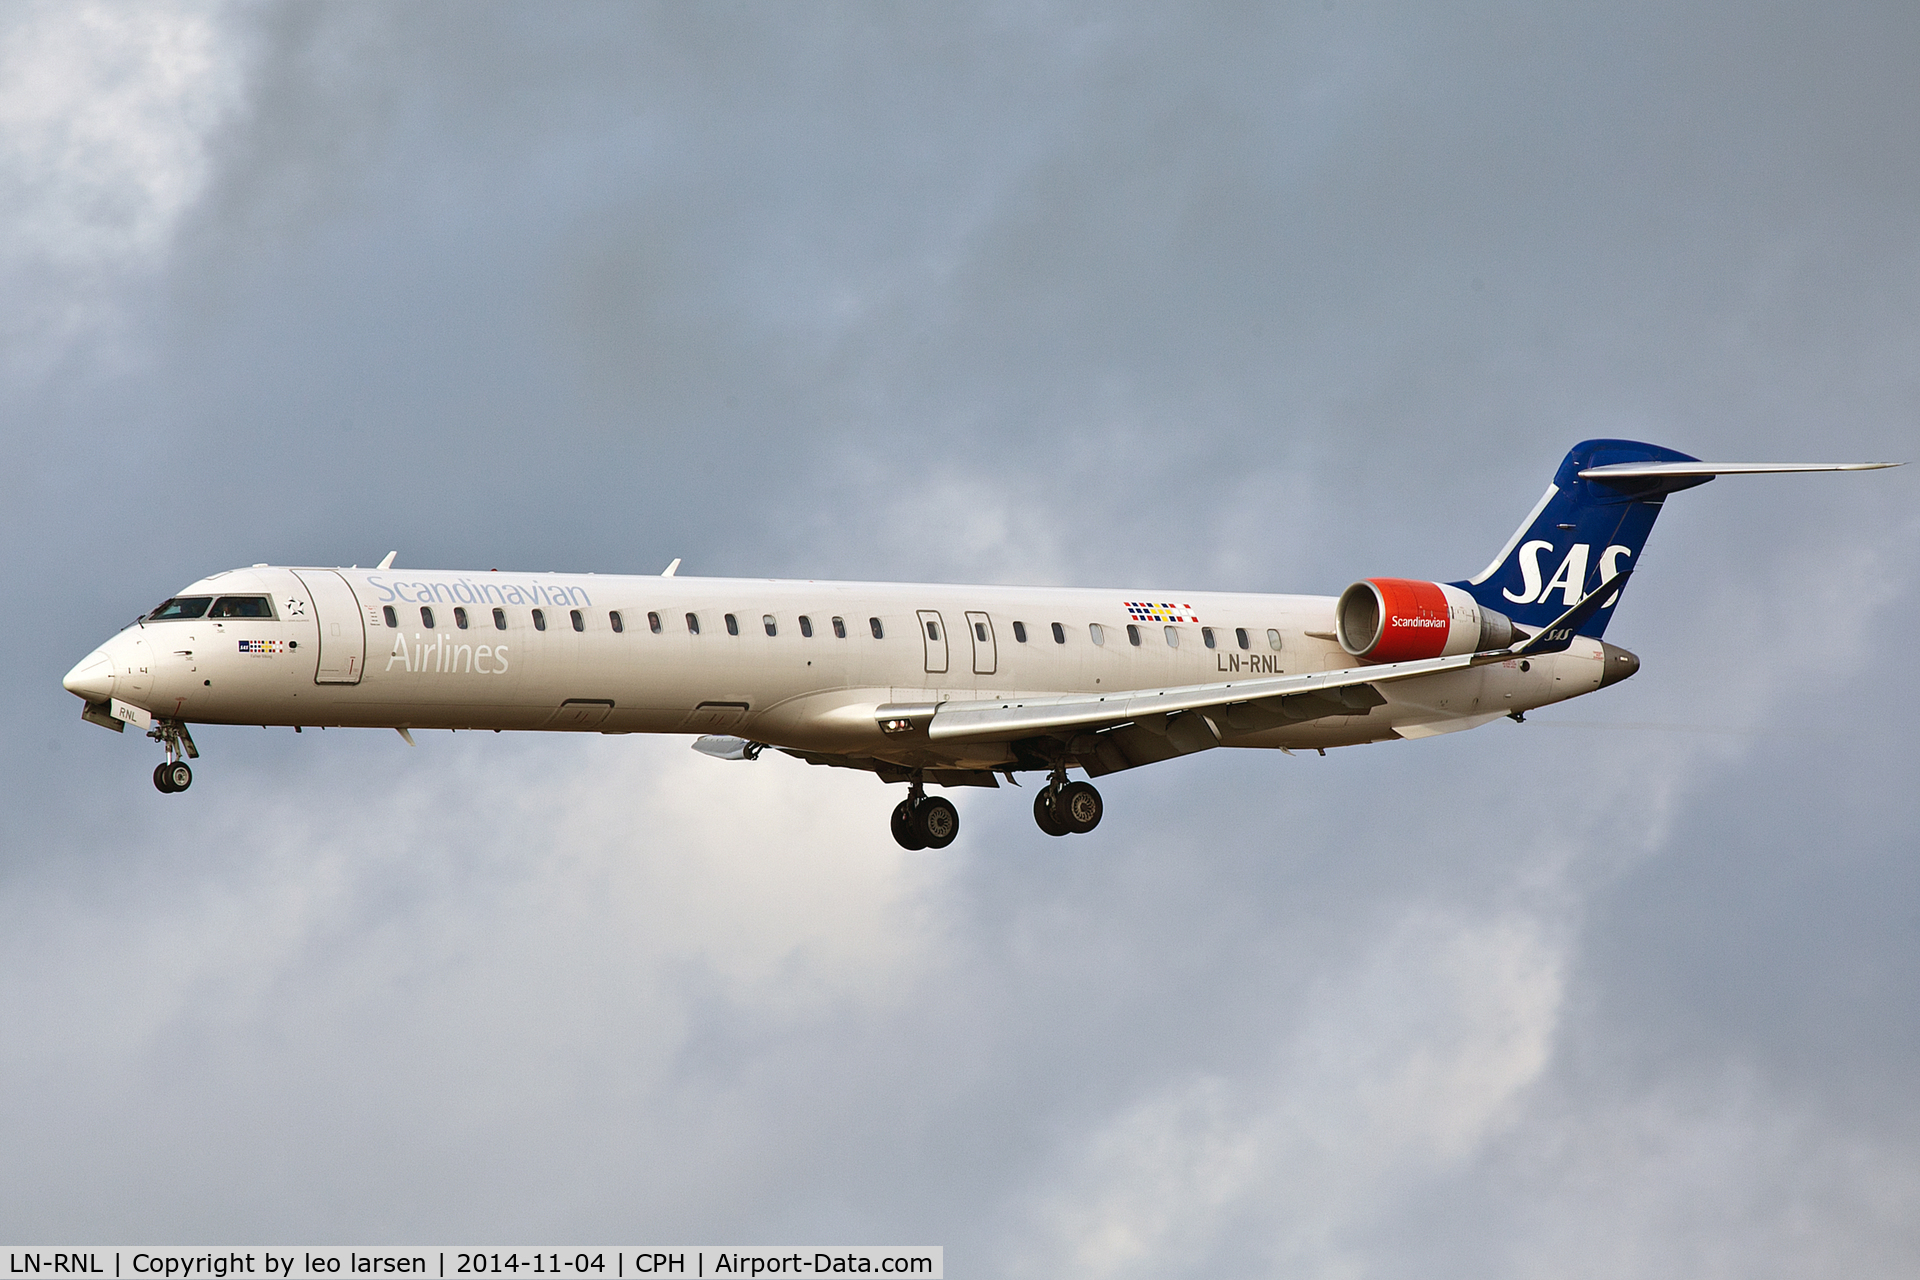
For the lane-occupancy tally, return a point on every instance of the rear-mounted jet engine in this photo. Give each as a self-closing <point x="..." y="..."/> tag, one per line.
<point x="1400" y="620"/>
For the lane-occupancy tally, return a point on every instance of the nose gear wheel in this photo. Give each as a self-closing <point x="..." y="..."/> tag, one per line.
<point x="173" y="774"/>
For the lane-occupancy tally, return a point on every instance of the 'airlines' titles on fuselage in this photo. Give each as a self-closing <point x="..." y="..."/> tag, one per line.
<point x="443" y="658"/>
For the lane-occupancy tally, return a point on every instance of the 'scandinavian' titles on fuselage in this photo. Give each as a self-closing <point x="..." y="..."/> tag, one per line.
<point x="919" y="683"/>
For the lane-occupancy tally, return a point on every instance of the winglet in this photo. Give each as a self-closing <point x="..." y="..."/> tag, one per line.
<point x="388" y="562"/>
<point x="1557" y="636"/>
<point x="668" y="571"/>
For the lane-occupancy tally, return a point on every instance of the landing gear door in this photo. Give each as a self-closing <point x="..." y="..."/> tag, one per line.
<point x="343" y="635"/>
<point x="933" y="634"/>
<point x="985" y="659"/>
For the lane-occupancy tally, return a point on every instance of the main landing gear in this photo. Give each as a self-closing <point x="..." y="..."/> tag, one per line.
<point x="1067" y="808"/>
<point x="173" y="774"/>
<point x="1061" y="808"/>
<point x="922" y="821"/>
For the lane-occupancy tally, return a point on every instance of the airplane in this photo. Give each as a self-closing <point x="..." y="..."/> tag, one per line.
<point x="922" y="684"/>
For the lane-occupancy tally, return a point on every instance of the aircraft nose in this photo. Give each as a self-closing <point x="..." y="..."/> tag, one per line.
<point x="92" y="678"/>
<point x="1620" y="664"/>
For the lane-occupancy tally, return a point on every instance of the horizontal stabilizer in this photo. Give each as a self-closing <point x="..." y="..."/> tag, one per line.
<point x="1663" y="470"/>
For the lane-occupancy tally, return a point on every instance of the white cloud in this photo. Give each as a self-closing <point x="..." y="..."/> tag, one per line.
<point x="443" y="962"/>
<point x="105" y="115"/>
<point x="1401" y="1068"/>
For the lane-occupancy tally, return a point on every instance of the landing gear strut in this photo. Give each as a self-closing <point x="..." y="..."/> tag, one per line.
<point x="173" y="774"/>
<point x="1067" y="808"/>
<point x="922" y="821"/>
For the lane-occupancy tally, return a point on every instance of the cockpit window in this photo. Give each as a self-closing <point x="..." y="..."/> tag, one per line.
<point x="181" y="607"/>
<point x="241" y="607"/>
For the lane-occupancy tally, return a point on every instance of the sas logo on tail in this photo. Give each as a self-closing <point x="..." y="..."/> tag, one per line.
<point x="1569" y="579"/>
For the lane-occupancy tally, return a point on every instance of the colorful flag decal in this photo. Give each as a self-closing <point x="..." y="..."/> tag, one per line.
<point x="1147" y="611"/>
<point x="263" y="646"/>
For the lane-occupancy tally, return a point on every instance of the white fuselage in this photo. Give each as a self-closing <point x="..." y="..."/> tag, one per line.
<point x="352" y="647"/>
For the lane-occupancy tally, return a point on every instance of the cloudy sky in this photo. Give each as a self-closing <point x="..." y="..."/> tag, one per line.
<point x="1259" y="298"/>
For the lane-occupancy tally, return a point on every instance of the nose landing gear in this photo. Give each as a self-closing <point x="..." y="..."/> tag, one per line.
<point x="922" y="821"/>
<point x="173" y="774"/>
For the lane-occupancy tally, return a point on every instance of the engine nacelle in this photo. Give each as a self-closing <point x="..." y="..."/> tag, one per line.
<point x="1400" y="620"/>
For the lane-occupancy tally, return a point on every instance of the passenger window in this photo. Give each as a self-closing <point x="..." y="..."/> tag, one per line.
<point x="499" y="619"/>
<point x="733" y="625"/>
<point x="459" y="617"/>
<point x="180" y="608"/>
<point x="1240" y="638"/>
<point x="386" y="611"/>
<point x="426" y="616"/>
<point x="579" y="623"/>
<point x="539" y="620"/>
<point x="614" y="620"/>
<point x="1133" y="635"/>
<point x="874" y="625"/>
<point x="1273" y="641"/>
<point x="1020" y="632"/>
<point x="840" y="628"/>
<point x="1173" y="638"/>
<point x="241" y="607"/>
<point x="766" y="620"/>
<point x="1206" y="637"/>
<point x="980" y="632"/>
<point x="1059" y="634"/>
<point x="693" y="624"/>
<point x="1096" y="633"/>
<point x="806" y="626"/>
<point x="933" y="631"/>
<point x="653" y="623"/>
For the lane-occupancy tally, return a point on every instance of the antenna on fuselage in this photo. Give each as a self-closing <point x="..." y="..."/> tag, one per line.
<point x="388" y="562"/>
<point x="668" y="571"/>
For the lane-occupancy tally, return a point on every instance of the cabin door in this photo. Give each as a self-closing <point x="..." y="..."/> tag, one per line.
<point x="343" y="635"/>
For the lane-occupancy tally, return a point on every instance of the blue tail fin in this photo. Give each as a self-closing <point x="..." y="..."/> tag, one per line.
<point x="1581" y="533"/>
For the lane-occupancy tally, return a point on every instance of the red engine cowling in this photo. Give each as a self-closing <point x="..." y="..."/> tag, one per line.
<point x="1399" y="620"/>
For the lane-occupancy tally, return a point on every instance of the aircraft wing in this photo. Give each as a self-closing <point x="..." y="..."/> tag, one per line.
<point x="1259" y="703"/>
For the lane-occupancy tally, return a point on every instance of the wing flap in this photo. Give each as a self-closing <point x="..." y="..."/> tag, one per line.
<point x="955" y="721"/>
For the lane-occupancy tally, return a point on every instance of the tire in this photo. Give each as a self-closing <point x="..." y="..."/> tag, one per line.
<point x="1043" y="814"/>
<point x="179" y="776"/>
<point x="161" y="782"/>
<point x="1079" y="807"/>
<point x="936" y="822"/>
<point x="906" y="832"/>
